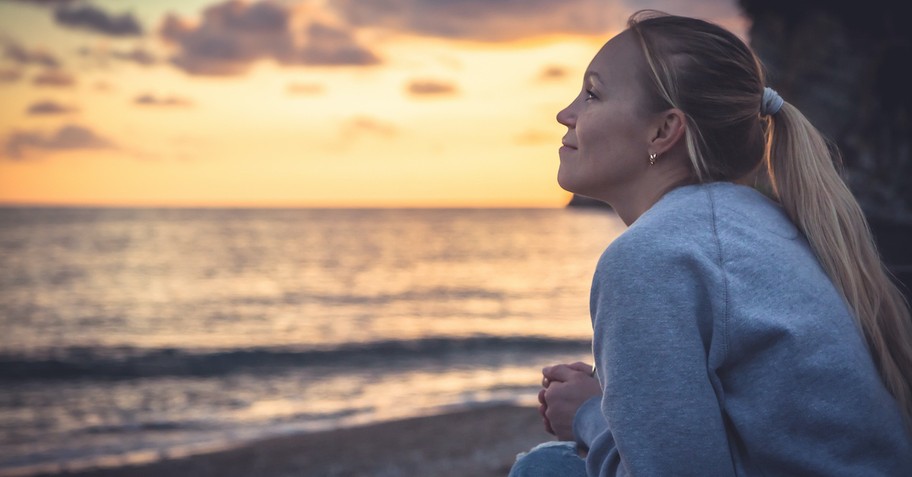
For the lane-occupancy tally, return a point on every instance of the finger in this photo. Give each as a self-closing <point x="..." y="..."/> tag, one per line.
<point x="545" y="382"/>
<point x="543" y="409"/>
<point x="544" y="413"/>
<point x="580" y="366"/>
<point x="547" y="369"/>
<point x="548" y="428"/>
<point x="561" y="373"/>
<point x="548" y="392"/>
<point x="541" y="397"/>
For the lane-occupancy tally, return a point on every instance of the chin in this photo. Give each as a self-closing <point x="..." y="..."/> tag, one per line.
<point x="580" y="189"/>
<point x="570" y="183"/>
<point x="563" y="183"/>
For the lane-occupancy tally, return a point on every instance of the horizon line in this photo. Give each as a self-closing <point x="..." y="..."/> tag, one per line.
<point x="353" y="206"/>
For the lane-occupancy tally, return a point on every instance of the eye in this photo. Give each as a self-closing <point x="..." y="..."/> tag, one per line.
<point x="590" y="95"/>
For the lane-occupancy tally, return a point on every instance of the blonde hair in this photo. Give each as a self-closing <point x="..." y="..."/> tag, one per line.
<point x="717" y="81"/>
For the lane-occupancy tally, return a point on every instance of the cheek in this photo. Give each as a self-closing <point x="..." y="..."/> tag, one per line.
<point x="597" y="138"/>
<point x="588" y="130"/>
<point x="613" y="136"/>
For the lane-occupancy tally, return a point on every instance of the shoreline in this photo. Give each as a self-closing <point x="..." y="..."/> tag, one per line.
<point x="480" y="442"/>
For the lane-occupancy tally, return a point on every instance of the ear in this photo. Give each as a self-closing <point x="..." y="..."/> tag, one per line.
<point x="667" y="131"/>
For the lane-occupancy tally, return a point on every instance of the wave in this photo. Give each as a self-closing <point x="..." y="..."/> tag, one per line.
<point x="126" y="362"/>
<point x="436" y="293"/>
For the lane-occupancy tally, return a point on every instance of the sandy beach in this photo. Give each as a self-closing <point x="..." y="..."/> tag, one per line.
<point x="480" y="443"/>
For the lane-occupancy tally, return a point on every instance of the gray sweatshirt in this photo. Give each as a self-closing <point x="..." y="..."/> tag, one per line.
<point x="724" y="349"/>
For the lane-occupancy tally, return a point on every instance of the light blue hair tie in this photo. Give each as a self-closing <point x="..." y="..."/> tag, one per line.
<point x="771" y="102"/>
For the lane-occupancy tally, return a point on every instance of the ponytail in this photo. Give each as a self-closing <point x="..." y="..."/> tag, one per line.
<point x="813" y="194"/>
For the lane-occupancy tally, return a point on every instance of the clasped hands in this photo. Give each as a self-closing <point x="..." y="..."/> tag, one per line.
<point x="565" y="387"/>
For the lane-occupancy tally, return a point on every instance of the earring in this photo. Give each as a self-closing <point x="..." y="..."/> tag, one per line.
<point x="652" y="158"/>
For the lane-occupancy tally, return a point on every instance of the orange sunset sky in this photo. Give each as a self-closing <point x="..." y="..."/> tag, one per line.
<point x="297" y="103"/>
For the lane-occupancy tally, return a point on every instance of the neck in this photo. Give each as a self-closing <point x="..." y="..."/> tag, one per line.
<point x="639" y="197"/>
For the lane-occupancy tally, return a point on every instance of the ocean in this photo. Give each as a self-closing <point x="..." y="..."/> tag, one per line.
<point x="135" y="334"/>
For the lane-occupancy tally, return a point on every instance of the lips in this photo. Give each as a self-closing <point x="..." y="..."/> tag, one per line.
<point x="567" y="144"/>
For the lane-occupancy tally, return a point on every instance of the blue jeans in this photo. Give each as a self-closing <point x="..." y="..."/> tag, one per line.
<point x="551" y="459"/>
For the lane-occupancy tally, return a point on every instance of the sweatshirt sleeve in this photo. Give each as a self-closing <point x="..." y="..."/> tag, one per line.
<point x="589" y="422"/>
<point x="653" y="305"/>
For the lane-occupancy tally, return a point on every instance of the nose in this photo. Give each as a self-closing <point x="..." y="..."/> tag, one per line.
<point x="567" y="116"/>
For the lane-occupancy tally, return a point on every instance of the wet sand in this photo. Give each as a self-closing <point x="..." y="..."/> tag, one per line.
<point x="480" y="443"/>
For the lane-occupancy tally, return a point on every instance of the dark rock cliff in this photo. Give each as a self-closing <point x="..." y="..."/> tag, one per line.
<point x="846" y="66"/>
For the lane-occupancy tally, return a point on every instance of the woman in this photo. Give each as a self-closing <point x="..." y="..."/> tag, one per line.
<point x="734" y="334"/>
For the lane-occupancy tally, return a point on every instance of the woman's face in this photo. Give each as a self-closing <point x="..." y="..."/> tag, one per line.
<point x="605" y="149"/>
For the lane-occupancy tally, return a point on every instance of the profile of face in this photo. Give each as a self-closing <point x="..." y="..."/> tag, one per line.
<point x="606" y="148"/>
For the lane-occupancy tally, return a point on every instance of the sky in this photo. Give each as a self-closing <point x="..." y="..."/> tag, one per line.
<point x="313" y="103"/>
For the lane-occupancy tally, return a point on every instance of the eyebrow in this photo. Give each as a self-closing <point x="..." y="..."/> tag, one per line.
<point x="592" y="77"/>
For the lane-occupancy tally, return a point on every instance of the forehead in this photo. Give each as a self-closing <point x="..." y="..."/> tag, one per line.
<point x="618" y="61"/>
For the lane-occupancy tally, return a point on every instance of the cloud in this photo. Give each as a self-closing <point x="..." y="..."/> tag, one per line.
<point x="552" y="73"/>
<point x="46" y="3"/>
<point x="333" y="46"/>
<point x="232" y="35"/>
<point x="429" y="87"/>
<point x="90" y="17"/>
<point x="69" y="137"/>
<point x="363" y="130"/>
<point x="23" y="56"/>
<point x="151" y="100"/>
<point x="362" y="125"/>
<point x="54" y="78"/>
<point x="307" y="89"/>
<point x="486" y="20"/>
<point x="136" y="55"/>
<point x="10" y="75"/>
<point x="49" y="108"/>
<point x="509" y="20"/>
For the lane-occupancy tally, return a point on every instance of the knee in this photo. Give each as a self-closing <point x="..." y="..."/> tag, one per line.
<point x="549" y="460"/>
